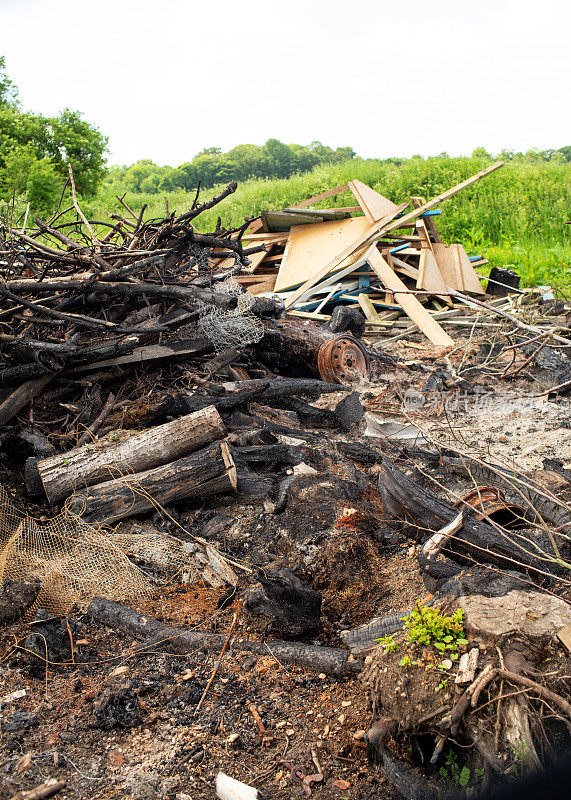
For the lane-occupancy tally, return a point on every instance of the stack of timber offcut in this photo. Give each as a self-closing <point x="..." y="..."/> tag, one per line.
<point x="386" y="260"/>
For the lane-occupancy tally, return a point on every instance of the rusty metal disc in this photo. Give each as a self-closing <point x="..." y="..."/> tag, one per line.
<point x="342" y="360"/>
<point x="489" y="502"/>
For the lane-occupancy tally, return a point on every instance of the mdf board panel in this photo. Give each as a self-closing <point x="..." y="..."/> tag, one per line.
<point x="470" y="280"/>
<point x="448" y="266"/>
<point x="310" y="247"/>
<point x="374" y="205"/>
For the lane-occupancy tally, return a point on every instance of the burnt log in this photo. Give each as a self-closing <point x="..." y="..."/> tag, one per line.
<point x="361" y="453"/>
<point x="268" y="454"/>
<point x="205" y="472"/>
<point x="16" y="598"/>
<point x="291" y="606"/>
<point x="477" y="541"/>
<point x="20" y="397"/>
<point x="108" y="457"/>
<point x="252" y="485"/>
<point x="332" y="660"/>
<point x="310" y="415"/>
<point x="301" y="348"/>
<point x="238" y="393"/>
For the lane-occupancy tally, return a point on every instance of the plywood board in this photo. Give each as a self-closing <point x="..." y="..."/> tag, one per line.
<point x="408" y="302"/>
<point x="429" y="277"/>
<point x="374" y="205"/>
<point x="447" y="266"/>
<point x="310" y="246"/>
<point x="470" y="280"/>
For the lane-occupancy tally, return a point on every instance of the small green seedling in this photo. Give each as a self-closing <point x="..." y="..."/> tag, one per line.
<point x="459" y="775"/>
<point x="388" y="643"/>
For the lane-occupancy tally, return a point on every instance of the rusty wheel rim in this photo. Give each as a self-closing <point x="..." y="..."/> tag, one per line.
<point x="342" y="360"/>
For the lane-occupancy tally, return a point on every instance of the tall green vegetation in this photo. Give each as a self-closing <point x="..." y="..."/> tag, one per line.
<point x="35" y="151"/>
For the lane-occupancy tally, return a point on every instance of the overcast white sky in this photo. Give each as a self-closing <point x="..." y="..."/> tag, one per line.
<point x="165" y="78"/>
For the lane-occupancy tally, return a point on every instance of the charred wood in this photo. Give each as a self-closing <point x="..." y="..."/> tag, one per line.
<point x="333" y="661"/>
<point x="477" y="541"/>
<point x="291" y="606"/>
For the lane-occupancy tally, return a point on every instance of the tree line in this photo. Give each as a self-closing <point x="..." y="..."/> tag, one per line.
<point x="211" y="166"/>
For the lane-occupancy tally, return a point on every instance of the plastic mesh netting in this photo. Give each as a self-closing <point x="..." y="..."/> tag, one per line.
<point x="76" y="561"/>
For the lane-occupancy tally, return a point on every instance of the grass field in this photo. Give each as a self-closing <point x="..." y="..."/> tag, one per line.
<point x="515" y="217"/>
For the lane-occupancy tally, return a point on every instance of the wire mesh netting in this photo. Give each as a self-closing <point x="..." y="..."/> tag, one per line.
<point x="237" y="327"/>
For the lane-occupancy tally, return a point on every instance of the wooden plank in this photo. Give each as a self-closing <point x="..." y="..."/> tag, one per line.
<point x="312" y="245"/>
<point x="318" y="214"/>
<point x="309" y="315"/>
<point x="21" y="396"/>
<point x="265" y="286"/>
<point x="384" y="226"/>
<point x="373" y="204"/>
<point x="401" y="266"/>
<point x="470" y="280"/>
<point x="323" y="196"/>
<point x="151" y="352"/>
<point x="428" y="221"/>
<point x="284" y="220"/>
<point x="368" y="308"/>
<point x="266" y="238"/>
<point x="250" y="280"/>
<point x="408" y="302"/>
<point x="255" y="261"/>
<point x="320" y="211"/>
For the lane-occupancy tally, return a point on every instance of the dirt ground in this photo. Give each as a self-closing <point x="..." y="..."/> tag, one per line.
<point x="171" y="751"/>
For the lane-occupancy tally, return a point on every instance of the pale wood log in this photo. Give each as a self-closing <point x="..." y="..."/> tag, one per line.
<point x="110" y="457"/>
<point x="206" y="472"/>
